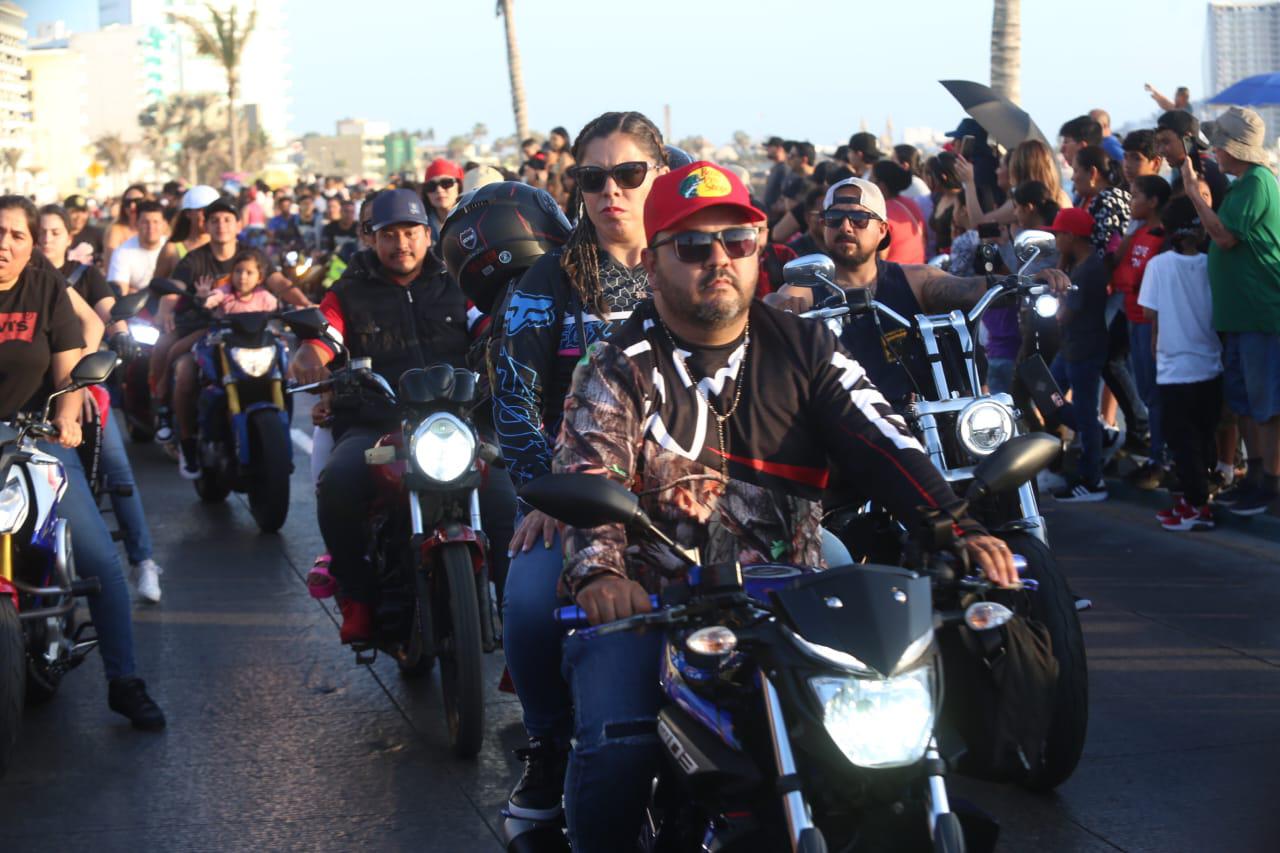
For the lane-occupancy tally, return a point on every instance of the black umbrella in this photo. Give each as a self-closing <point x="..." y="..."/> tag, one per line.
<point x="1004" y="121"/>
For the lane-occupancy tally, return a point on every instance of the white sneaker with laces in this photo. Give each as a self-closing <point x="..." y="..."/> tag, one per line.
<point x="147" y="577"/>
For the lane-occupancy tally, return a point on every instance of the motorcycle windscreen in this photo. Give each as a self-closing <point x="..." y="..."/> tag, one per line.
<point x="873" y="613"/>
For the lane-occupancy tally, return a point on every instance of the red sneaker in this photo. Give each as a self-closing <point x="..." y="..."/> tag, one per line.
<point x="1176" y="512"/>
<point x="357" y="621"/>
<point x="1190" y="518"/>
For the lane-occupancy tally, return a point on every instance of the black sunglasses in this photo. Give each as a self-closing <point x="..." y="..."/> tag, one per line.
<point x="443" y="183"/>
<point x="627" y="176"/>
<point x="694" y="247"/>
<point x="859" y="219"/>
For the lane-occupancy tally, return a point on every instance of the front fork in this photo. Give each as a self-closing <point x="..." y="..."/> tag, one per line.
<point x="799" y="819"/>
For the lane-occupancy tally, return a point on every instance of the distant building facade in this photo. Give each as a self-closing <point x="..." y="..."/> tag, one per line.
<point x="1243" y="39"/>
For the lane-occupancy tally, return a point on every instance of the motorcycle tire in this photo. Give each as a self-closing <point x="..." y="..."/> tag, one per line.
<point x="1053" y="605"/>
<point x="13" y="680"/>
<point x="211" y="488"/>
<point x="948" y="835"/>
<point x="461" y="658"/>
<point x="270" y="454"/>
<point x="416" y="662"/>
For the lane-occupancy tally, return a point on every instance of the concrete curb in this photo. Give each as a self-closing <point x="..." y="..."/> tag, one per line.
<point x="1265" y="526"/>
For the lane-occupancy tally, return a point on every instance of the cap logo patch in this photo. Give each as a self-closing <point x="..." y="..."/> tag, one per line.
<point x="851" y="193"/>
<point x="413" y="208"/>
<point x="705" y="182"/>
<point x="467" y="239"/>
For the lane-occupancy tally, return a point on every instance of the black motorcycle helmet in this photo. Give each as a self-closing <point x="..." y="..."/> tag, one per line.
<point x="497" y="232"/>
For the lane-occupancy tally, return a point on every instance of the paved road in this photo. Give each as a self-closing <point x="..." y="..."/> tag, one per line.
<point x="278" y="741"/>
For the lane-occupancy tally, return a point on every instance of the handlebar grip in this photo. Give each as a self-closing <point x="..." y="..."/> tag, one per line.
<point x="574" y="616"/>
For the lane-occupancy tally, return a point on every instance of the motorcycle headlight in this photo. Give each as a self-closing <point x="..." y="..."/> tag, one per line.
<point x="13" y="506"/>
<point x="144" y="333"/>
<point x="878" y="722"/>
<point x="255" y="361"/>
<point x="1046" y="305"/>
<point x="983" y="426"/>
<point x="443" y="447"/>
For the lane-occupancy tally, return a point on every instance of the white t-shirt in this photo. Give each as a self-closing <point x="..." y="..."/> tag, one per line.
<point x="1177" y="288"/>
<point x="133" y="265"/>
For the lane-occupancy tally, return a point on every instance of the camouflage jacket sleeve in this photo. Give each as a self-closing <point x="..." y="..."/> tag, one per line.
<point x="602" y="433"/>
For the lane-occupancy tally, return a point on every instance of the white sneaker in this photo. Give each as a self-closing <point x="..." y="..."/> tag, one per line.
<point x="147" y="577"/>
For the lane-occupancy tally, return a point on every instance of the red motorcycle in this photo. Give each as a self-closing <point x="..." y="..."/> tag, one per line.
<point x="426" y="546"/>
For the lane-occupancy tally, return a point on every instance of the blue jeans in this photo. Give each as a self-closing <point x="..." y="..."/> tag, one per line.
<point x="1084" y="379"/>
<point x="96" y="557"/>
<point x="614" y="683"/>
<point x="1143" y="362"/>
<point x="128" y="510"/>
<point x="531" y="639"/>
<point x="1251" y="374"/>
<point x="1000" y="374"/>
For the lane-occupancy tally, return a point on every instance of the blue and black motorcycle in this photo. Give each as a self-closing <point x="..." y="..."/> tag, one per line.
<point x="242" y="416"/>
<point x="801" y="706"/>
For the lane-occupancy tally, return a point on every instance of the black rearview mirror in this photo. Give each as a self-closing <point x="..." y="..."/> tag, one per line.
<point x="583" y="500"/>
<point x="1017" y="461"/>
<point x="129" y="306"/>
<point x="94" y="368"/>
<point x="167" y="287"/>
<point x="307" y="323"/>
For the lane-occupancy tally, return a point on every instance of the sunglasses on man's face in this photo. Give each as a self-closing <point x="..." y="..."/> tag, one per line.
<point x="694" y="247"/>
<point x="442" y="184"/>
<point x="859" y="219"/>
<point x="591" y="179"/>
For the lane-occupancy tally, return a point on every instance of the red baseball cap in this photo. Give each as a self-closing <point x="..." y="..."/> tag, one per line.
<point x="679" y="194"/>
<point x="441" y="167"/>
<point x="1073" y="220"/>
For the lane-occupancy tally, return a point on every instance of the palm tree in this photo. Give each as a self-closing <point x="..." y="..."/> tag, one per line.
<point x="479" y="132"/>
<point x="513" y="65"/>
<point x="224" y="44"/>
<point x="1006" y="49"/>
<point x="115" y="153"/>
<point x="12" y="157"/>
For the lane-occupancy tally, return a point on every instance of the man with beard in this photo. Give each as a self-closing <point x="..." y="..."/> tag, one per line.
<point x="722" y="415"/>
<point x="856" y="230"/>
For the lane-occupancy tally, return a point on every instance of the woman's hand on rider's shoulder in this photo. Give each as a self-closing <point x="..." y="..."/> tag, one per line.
<point x="611" y="598"/>
<point x="993" y="557"/>
<point x="534" y="527"/>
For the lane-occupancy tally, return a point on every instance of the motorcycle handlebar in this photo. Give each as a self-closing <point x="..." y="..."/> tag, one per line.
<point x="574" y="616"/>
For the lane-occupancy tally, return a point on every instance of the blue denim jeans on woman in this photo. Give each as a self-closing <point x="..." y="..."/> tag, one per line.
<point x="128" y="508"/>
<point x="531" y="639"/>
<point x="1084" y="380"/>
<point x="1143" y="361"/>
<point x="96" y="557"/>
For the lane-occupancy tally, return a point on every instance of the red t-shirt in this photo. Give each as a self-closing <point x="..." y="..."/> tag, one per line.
<point x="906" y="232"/>
<point x="1126" y="278"/>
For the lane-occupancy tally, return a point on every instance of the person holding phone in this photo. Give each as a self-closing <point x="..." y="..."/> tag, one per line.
<point x="1178" y="139"/>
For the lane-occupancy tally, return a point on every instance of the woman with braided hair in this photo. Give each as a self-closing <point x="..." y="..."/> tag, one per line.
<point x="572" y="297"/>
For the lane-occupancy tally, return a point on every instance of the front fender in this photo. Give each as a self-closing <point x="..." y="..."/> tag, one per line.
<point x="240" y="428"/>
<point x="449" y="533"/>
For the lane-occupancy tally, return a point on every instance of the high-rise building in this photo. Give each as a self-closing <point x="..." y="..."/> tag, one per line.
<point x="60" y="141"/>
<point x="1244" y="40"/>
<point x="15" y="94"/>
<point x="171" y="65"/>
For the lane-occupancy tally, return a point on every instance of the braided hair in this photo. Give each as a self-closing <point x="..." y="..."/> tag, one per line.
<point x="580" y="259"/>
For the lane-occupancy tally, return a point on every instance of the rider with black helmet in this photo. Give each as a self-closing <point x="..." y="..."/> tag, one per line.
<point x="398" y="306"/>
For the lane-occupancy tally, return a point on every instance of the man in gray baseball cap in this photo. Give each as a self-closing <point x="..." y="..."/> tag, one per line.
<point x="1244" y="278"/>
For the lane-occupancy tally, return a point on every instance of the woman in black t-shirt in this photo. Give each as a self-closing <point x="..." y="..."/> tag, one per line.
<point x="40" y="336"/>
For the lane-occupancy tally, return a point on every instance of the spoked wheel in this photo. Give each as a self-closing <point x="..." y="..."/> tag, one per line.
<point x="1053" y="605"/>
<point x="416" y="662"/>
<point x="13" y="680"/>
<point x="269" y="493"/>
<point x="458" y="645"/>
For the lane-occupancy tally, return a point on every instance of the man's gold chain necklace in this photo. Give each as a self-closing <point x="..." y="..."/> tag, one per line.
<point x="737" y="393"/>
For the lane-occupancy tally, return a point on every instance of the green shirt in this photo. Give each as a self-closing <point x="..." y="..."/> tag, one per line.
<point x="1245" y="279"/>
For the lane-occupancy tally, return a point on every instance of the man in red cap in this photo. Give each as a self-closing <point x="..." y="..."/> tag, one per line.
<point x="1078" y="365"/>
<point x="722" y="414"/>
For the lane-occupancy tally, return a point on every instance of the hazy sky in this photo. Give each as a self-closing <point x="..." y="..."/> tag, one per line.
<point x="812" y="69"/>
